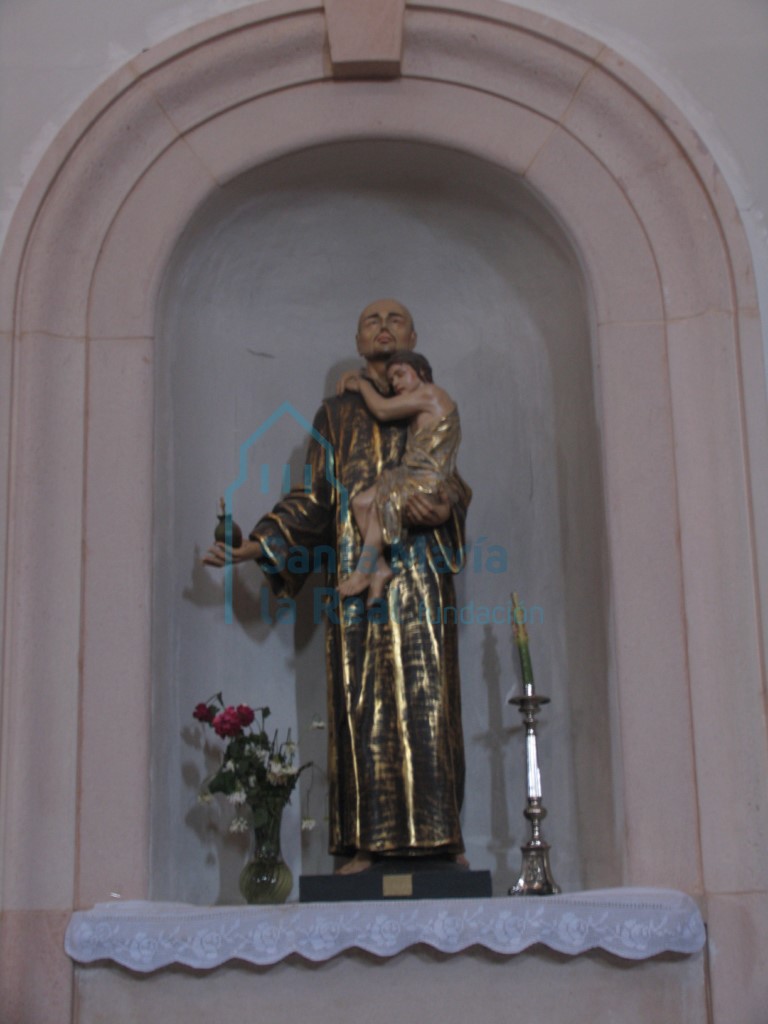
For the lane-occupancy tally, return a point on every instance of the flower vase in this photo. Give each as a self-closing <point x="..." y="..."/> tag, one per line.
<point x="266" y="878"/>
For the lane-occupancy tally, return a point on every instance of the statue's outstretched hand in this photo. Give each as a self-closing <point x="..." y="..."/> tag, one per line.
<point x="423" y="511"/>
<point x="220" y="555"/>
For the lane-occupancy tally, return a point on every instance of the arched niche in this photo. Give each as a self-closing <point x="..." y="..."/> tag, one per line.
<point x="258" y="308"/>
<point x="679" y="386"/>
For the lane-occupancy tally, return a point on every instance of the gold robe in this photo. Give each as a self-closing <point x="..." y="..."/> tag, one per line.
<point x="395" y="744"/>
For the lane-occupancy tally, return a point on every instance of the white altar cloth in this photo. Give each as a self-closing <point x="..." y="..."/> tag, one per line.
<point x="146" y="936"/>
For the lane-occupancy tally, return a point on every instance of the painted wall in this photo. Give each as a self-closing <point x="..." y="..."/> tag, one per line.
<point x="709" y="57"/>
<point x="705" y="55"/>
<point x="702" y="421"/>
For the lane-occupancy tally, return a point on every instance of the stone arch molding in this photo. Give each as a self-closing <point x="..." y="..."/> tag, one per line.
<point x="676" y="345"/>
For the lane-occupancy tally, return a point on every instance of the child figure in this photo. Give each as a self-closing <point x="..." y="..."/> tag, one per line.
<point x="427" y="465"/>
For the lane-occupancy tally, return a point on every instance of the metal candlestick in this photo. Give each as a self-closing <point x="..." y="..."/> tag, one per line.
<point x="535" y="874"/>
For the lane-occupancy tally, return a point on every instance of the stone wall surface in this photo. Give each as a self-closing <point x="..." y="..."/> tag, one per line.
<point x="680" y="402"/>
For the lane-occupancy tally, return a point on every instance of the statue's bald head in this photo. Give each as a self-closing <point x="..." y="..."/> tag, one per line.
<point x="385" y="326"/>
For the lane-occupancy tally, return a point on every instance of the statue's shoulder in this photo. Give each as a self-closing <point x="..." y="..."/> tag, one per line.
<point x="341" y="406"/>
<point x="340" y="414"/>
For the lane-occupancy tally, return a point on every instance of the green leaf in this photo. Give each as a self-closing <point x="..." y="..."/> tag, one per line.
<point x="222" y="782"/>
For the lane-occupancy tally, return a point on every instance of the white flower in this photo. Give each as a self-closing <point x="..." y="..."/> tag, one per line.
<point x="239" y="825"/>
<point x="238" y="797"/>
<point x="279" y="772"/>
<point x="317" y="722"/>
<point x="290" y="748"/>
<point x="229" y="766"/>
<point x="307" y="824"/>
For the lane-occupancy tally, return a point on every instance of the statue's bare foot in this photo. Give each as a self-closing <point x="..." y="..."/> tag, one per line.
<point x="355" y="584"/>
<point x="360" y="862"/>
<point x="379" y="580"/>
<point x="461" y="860"/>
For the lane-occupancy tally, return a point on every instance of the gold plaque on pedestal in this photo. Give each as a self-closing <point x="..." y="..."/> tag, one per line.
<point x="395" y="886"/>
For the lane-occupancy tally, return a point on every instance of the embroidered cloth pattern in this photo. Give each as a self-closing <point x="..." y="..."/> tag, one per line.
<point x="146" y="936"/>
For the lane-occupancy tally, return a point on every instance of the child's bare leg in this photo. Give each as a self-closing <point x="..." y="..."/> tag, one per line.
<point x="362" y="507"/>
<point x="372" y="569"/>
<point x="381" y="576"/>
<point x="374" y="541"/>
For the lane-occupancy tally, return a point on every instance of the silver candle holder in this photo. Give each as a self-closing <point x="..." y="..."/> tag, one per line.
<point x="535" y="874"/>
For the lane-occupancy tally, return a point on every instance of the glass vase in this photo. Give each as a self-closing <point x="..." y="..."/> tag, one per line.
<point x="266" y="878"/>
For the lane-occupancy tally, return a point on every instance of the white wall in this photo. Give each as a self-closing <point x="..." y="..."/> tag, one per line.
<point x="708" y="56"/>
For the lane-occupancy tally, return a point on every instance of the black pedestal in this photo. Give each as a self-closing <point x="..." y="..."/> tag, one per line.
<point x="399" y="878"/>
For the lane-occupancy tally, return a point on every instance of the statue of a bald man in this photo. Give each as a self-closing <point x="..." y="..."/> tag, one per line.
<point x="395" y="745"/>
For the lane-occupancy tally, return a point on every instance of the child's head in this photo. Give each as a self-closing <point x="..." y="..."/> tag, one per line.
<point x="406" y="357"/>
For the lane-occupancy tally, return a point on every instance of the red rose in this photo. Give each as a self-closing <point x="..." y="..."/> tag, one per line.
<point x="245" y="714"/>
<point x="203" y="713"/>
<point x="227" y="723"/>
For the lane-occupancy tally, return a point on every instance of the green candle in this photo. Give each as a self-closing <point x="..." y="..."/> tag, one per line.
<point x="521" y="639"/>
